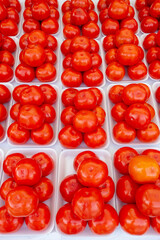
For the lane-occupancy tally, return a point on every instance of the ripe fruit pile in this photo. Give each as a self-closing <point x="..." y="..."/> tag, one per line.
<point x="9" y="17"/>
<point x="7" y="61"/>
<point x="37" y="58"/>
<point x="33" y="114"/>
<point x="115" y="15"/>
<point x="149" y="13"/>
<point x="151" y="44"/>
<point x="5" y="97"/>
<point x="81" y="62"/>
<point x="79" y="17"/>
<point x="87" y="193"/>
<point x="25" y="191"/>
<point x="134" y="116"/>
<point x="41" y="15"/>
<point x="122" y="51"/>
<point x="83" y="118"/>
<point x="139" y="189"/>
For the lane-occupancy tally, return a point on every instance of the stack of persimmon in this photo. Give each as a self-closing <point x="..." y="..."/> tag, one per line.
<point x="41" y="15"/>
<point x="33" y="114"/>
<point x="139" y="189"/>
<point x="134" y="117"/>
<point x="87" y="194"/>
<point x="26" y="181"/>
<point x="116" y="14"/>
<point x="9" y="17"/>
<point x="79" y="18"/>
<point x="82" y="118"/>
<point x="37" y="57"/>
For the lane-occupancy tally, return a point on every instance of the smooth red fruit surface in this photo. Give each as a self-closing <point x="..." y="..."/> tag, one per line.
<point x="148" y="134"/>
<point x="68" y="115"/>
<point x="118" y="112"/>
<point x="106" y="223"/>
<point x="132" y="220"/>
<point x="50" y="94"/>
<point x="43" y="135"/>
<point x="18" y="135"/>
<point x="137" y="116"/>
<point x="85" y="100"/>
<point x="152" y="153"/>
<point x="129" y="23"/>
<point x="70" y="31"/>
<point x="68" y="96"/>
<point x="109" y="42"/>
<point x="81" y="61"/>
<point x="49" y="113"/>
<point x="45" y="161"/>
<point x="118" y="10"/>
<point x="155" y="223"/>
<point x="147" y="200"/>
<point x="68" y="222"/>
<point x="69" y="186"/>
<point x="91" y="30"/>
<point x="40" y="11"/>
<point x="107" y="189"/>
<point x="82" y="156"/>
<point x="26" y="204"/>
<point x="9" y="223"/>
<point x="128" y="54"/>
<point x="8" y="27"/>
<point x="134" y="93"/>
<point x="8" y="44"/>
<point x="30" y="117"/>
<point x="15" y="111"/>
<point x="122" y="158"/>
<point x="69" y="137"/>
<point x="149" y="24"/>
<point x="27" y="172"/>
<point x="50" y="26"/>
<point x="71" y="78"/>
<point x="6" y="72"/>
<point x="31" y="95"/>
<point x="46" y="72"/>
<point x="110" y="26"/>
<point x="44" y="189"/>
<point x="31" y="24"/>
<point x="138" y="71"/>
<point x="79" y="16"/>
<point x="25" y="73"/>
<point x="6" y="187"/>
<point x="150" y="41"/>
<point x="11" y="161"/>
<point x="92" y="172"/>
<point x="96" y="139"/>
<point x="87" y="203"/>
<point x="40" y="219"/>
<point x="85" y="121"/>
<point x="154" y="69"/>
<point x="100" y="114"/>
<point x="126" y="189"/>
<point x="115" y="71"/>
<point x="123" y="133"/>
<point x="93" y="77"/>
<point x="115" y="93"/>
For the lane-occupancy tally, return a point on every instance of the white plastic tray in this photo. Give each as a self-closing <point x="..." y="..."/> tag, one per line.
<point x="54" y="125"/>
<point x="101" y="68"/>
<point x="66" y="168"/>
<point x="105" y="125"/>
<point x="136" y="142"/>
<point x="50" y="202"/>
<point x="126" y="77"/>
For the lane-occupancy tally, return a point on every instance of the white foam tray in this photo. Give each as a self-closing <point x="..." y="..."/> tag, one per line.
<point x="66" y="159"/>
<point x="112" y="123"/>
<point x="105" y="125"/>
<point x="54" y="125"/>
<point x="24" y="231"/>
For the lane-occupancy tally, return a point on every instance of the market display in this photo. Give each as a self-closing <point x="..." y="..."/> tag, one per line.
<point x="80" y="153"/>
